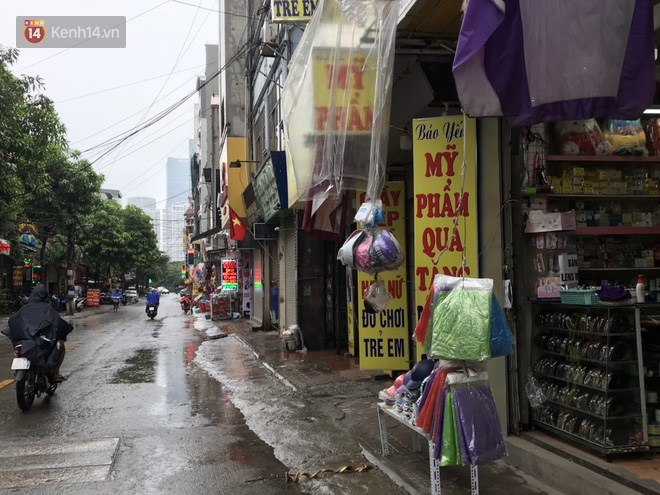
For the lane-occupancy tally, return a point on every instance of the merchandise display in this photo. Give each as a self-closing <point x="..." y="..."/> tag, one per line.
<point x="604" y="179"/>
<point x="627" y="137"/>
<point x="587" y="383"/>
<point x="581" y="137"/>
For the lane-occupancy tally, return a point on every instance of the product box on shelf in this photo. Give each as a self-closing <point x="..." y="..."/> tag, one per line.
<point x="540" y="221"/>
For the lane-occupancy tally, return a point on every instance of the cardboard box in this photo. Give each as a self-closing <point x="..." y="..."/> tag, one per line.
<point x="540" y="221"/>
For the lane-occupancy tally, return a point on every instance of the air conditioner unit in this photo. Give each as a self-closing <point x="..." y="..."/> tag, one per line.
<point x="264" y="231"/>
<point x="269" y="32"/>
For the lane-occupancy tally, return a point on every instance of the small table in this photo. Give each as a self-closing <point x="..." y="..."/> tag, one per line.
<point x="436" y="489"/>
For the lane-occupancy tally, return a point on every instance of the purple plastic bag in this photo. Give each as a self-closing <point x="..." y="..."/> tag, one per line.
<point x="480" y="431"/>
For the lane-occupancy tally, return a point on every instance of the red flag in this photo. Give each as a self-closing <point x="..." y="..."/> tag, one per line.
<point x="237" y="228"/>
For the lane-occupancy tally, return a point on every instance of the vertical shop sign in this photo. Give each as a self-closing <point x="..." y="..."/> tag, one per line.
<point x="93" y="297"/>
<point x="440" y="146"/>
<point x="229" y="275"/>
<point x="18" y="276"/>
<point x="247" y="287"/>
<point x="568" y="269"/>
<point x="384" y="338"/>
<point x="350" y="311"/>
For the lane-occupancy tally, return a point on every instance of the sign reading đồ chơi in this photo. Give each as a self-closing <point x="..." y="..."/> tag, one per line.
<point x="384" y="339"/>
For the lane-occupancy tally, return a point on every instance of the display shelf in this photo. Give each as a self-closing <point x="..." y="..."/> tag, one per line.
<point x="602" y="159"/>
<point x="593" y="415"/>
<point x="631" y="269"/>
<point x="615" y="231"/>
<point x="599" y="447"/>
<point x="604" y="196"/>
<point x="608" y="390"/>
<point x="599" y="307"/>
<point x="581" y="359"/>
<point x="625" y="334"/>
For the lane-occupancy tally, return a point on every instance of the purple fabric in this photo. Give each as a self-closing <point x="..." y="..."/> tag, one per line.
<point x="427" y="389"/>
<point x="480" y="431"/>
<point x="491" y="71"/>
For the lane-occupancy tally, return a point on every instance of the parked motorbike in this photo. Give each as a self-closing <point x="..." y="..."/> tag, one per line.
<point x="80" y="303"/>
<point x="57" y="302"/>
<point x="185" y="305"/>
<point x="152" y="310"/>
<point x="33" y="380"/>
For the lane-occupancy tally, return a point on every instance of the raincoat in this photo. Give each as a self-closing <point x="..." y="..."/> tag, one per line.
<point x="37" y="327"/>
<point x="153" y="297"/>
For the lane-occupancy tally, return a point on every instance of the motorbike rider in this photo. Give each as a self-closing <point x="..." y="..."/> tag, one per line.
<point x="116" y="296"/>
<point x="36" y="314"/>
<point x="185" y="303"/>
<point x="152" y="298"/>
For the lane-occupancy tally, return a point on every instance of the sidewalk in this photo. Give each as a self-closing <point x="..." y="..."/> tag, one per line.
<point x="338" y="381"/>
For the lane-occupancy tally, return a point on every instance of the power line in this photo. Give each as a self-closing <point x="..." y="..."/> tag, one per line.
<point x="214" y="10"/>
<point x="125" y="85"/>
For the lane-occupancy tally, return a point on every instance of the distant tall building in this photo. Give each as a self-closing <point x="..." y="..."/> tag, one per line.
<point x="177" y="180"/>
<point x="174" y="224"/>
<point x="148" y="205"/>
<point x="110" y="194"/>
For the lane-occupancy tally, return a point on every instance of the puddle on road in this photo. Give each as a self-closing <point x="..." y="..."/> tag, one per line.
<point x="155" y="334"/>
<point x="140" y="368"/>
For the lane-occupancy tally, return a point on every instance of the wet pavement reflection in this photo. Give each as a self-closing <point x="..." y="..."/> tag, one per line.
<point x="136" y="380"/>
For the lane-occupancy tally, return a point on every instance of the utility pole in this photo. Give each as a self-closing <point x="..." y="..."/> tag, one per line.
<point x="70" y="271"/>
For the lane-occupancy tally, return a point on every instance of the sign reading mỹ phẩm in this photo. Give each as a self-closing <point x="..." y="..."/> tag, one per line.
<point x="438" y="145"/>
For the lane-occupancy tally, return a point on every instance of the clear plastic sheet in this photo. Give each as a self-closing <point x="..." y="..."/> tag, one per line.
<point x="461" y="321"/>
<point x="627" y="137"/>
<point x="336" y="100"/>
<point x="581" y="137"/>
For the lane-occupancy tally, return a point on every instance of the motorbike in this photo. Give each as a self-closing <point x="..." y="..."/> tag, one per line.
<point x="115" y="303"/>
<point x="57" y="302"/>
<point x="33" y="380"/>
<point x="80" y="303"/>
<point x="185" y="305"/>
<point x="152" y="310"/>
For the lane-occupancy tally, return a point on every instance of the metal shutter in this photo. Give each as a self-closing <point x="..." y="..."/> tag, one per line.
<point x="290" y="273"/>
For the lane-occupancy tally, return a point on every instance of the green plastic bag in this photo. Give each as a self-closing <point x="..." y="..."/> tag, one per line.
<point x="451" y="450"/>
<point x="461" y="320"/>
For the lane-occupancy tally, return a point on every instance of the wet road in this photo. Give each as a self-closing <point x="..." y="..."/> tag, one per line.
<point x="135" y="416"/>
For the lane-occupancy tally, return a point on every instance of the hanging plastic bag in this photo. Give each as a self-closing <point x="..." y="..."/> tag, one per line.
<point x="376" y="297"/>
<point x="336" y="99"/>
<point x="478" y="425"/>
<point x="451" y="451"/>
<point x="500" y="335"/>
<point x="534" y="392"/>
<point x="199" y="275"/>
<point x="372" y="250"/>
<point x="461" y="321"/>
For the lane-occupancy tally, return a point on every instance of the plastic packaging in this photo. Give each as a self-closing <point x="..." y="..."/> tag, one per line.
<point x="376" y="298"/>
<point x="500" y="335"/>
<point x="581" y="137"/>
<point x="336" y="99"/>
<point x="200" y="273"/>
<point x="653" y="137"/>
<point x="372" y="250"/>
<point x="461" y="321"/>
<point x="534" y="392"/>
<point x="626" y="137"/>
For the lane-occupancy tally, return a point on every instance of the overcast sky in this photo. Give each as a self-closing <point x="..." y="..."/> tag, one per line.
<point x="154" y="41"/>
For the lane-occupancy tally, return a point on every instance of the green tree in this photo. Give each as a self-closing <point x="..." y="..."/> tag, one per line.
<point x="30" y="133"/>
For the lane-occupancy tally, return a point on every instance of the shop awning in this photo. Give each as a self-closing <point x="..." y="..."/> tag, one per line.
<point x="534" y="62"/>
<point x="208" y="233"/>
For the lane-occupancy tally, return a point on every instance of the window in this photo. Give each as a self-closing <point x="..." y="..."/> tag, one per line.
<point x="273" y="118"/>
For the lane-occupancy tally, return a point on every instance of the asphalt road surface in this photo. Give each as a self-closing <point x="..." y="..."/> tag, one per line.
<point x="136" y="415"/>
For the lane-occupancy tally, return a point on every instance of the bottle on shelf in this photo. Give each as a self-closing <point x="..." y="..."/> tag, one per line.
<point x="640" y="290"/>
